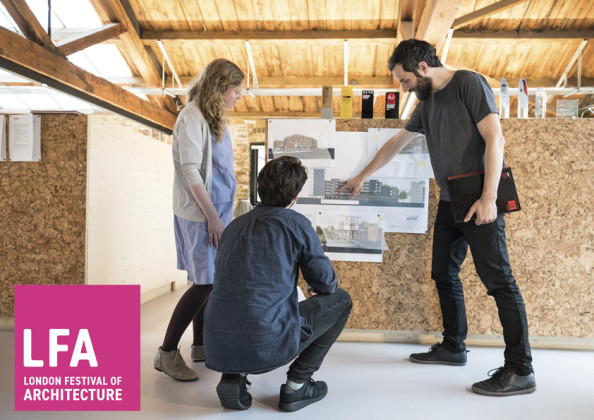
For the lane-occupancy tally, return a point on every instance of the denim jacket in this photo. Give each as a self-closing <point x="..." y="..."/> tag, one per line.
<point x="252" y="322"/>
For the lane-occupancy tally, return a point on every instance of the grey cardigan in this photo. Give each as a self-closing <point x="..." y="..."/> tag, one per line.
<point x="192" y="161"/>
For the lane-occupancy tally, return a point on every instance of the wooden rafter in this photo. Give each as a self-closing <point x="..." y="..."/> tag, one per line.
<point x="131" y="45"/>
<point x="546" y="34"/>
<point x="484" y="12"/>
<point x="35" y="62"/>
<point x="268" y="35"/>
<point x="405" y="30"/>
<point x="28" y="23"/>
<point x="436" y="21"/>
<point x="96" y="36"/>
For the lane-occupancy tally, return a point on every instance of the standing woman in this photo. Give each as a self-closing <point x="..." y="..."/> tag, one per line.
<point x="203" y="195"/>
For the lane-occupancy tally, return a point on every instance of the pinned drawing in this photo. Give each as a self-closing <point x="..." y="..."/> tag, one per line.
<point x="351" y="236"/>
<point x="312" y="142"/>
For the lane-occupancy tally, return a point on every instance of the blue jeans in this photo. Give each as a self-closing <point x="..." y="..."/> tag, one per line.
<point x="326" y="316"/>
<point x="489" y="251"/>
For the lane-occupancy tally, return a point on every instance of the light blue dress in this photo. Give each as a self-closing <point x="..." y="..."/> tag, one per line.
<point x="191" y="238"/>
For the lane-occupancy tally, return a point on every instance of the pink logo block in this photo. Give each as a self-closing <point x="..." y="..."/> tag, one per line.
<point x="77" y="348"/>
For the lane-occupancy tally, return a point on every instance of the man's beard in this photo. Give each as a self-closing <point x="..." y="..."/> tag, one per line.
<point x="424" y="88"/>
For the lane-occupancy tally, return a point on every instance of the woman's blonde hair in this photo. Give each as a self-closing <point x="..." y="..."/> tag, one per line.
<point x="208" y="88"/>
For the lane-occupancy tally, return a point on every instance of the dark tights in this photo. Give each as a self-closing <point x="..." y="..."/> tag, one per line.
<point x="189" y="308"/>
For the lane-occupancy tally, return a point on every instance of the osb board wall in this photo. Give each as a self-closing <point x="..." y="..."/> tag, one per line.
<point x="42" y="211"/>
<point x="551" y="243"/>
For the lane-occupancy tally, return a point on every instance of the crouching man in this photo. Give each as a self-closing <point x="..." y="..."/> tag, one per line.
<point x="253" y="321"/>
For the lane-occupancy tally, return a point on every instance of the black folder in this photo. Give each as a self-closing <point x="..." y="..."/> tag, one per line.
<point x="466" y="189"/>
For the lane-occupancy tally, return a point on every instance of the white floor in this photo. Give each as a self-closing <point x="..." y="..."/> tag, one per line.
<point x="366" y="381"/>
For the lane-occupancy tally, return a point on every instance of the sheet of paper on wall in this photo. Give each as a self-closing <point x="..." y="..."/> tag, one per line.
<point x="2" y="138"/>
<point x="36" y="138"/>
<point x="403" y="202"/>
<point x="412" y="162"/>
<point x="22" y="145"/>
<point x="312" y="141"/>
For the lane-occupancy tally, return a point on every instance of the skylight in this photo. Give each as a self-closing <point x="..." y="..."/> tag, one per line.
<point x="102" y="60"/>
<point x="66" y="13"/>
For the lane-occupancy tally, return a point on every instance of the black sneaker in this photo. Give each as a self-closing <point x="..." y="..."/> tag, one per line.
<point x="232" y="391"/>
<point x="438" y="354"/>
<point x="309" y="393"/>
<point x="504" y="382"/>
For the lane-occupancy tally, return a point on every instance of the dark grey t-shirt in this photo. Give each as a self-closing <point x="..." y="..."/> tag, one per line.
<point x="448" y="119"/>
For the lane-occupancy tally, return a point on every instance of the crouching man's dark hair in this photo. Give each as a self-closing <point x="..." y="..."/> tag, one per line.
<point x="280" y="180"/>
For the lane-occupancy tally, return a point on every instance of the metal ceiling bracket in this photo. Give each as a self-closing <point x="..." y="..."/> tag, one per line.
<point x="578" y="54"/>
<point x="346" y="62"/>
<point x="169" y="63"/>
<point x="446" y="46"/>
<point x="251" y="61"/>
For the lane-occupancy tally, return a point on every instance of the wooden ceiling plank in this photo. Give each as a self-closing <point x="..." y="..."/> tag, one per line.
<point x="233" y="15"/>
<point x="96" y="36"/>
<point x="299" y="15"/>
<point x="484" y="12"/>
<point x="317" y="15"/>
<point x="282" y="15"/>
<point x="318" y="60"/>
<point x="357" y="13"/>
<point x="194" y="21"/>
<point x="347" y="21"/>
<point x="310" y="103"/>
<point x="210" y="13"/>
<point x="33" y="61"/>
<point x="25" y="19"/>
<point x="535" y="16"/>
<point x="334" y="15"/>
<point x="388" y="17"/>
<point x="372" y="13"/>
<point x="388" y="34"/>
<point x="265" y="16"/>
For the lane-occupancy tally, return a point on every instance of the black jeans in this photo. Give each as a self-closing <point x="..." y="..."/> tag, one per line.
<point x="326" y="315"/>
<point x="489" y="251"/>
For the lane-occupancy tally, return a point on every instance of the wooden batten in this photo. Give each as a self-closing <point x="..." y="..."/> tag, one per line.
<point x="484" y="12"/>
<point x="97" y="36"/>
<point x="269" y="35"/>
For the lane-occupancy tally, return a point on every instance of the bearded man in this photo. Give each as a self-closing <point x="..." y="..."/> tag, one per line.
<point x="458" y="115"/>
